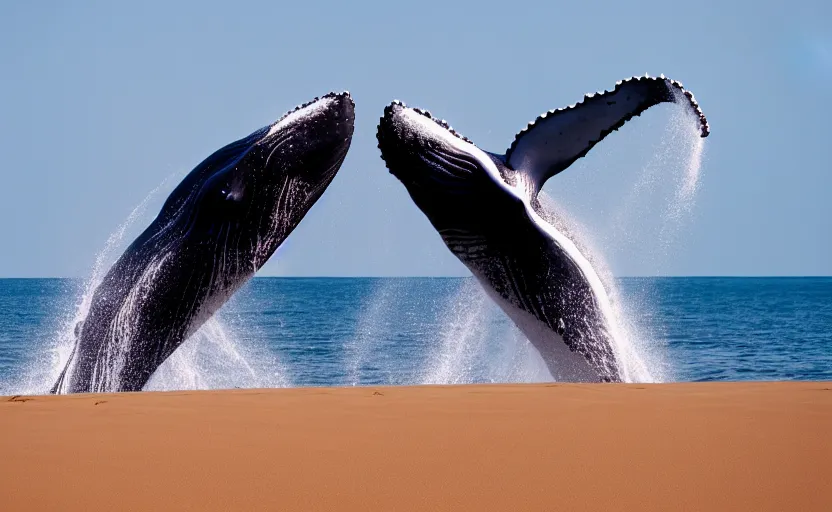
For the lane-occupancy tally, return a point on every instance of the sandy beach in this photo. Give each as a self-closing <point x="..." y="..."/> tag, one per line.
<point x="721" y="446"/>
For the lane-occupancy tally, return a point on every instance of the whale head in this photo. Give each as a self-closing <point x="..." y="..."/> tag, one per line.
<point x="455" y="184"/>
<point x="244" y="200"/>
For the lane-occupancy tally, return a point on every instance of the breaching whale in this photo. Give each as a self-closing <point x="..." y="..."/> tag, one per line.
<point x="485" y="208"/>
<point x="215" y="230"/>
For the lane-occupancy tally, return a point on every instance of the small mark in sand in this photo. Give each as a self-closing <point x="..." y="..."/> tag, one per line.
<point x="376" y="393"/>
<point x="101" y="402"/>
<point x="19" y="398"/>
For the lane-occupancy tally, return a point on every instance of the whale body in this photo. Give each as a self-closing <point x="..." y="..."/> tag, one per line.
<point x="215" y="230"/>
<point x="485" y="208"/>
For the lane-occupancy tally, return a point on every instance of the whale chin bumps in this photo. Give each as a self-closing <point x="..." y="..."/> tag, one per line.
<point x="483" y="205"/>
<point x="215" y="230"/>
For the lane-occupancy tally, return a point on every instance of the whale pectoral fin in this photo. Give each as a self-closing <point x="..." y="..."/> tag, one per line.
<point x="553" y="141"/>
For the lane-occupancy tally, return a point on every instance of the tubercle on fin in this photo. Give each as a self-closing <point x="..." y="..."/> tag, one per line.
<point x="704" y="127"/>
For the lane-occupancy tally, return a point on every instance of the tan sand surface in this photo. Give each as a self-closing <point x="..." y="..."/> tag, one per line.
<point x="725" y="446"/>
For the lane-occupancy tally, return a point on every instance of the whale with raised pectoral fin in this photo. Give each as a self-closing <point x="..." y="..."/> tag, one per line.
<point x="216" y="229"/>
<point x="484" y="206"/>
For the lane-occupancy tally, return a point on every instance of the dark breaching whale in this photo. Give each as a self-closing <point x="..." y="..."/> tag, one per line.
<point x="485" y="208"/>
<point x="217" y="228"/>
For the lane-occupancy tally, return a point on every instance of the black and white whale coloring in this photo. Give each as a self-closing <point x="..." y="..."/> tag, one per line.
<point x="217" y="228"/>
<point x="485" y="208"/>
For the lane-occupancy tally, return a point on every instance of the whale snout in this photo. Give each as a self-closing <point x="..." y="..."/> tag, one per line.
<point x="406" y="129"/>
<point x="330" y="118"/>
<point x="423" y="151"/>
<point x="312" y="140"/>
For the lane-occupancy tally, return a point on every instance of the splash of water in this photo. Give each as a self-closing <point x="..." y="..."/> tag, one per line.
<point x="477" y="343"/>
<point x="214" y="358"/>
<point x="676" y="162"/>
<point x="210" y="358"/>
<point x="45" y="371"/>
<point x="671" y="179"/>
<point x="462" y="332"/>
<point x="638" y="362"/>
<point x="370" y="328"/>
<point x="685" y="136"/>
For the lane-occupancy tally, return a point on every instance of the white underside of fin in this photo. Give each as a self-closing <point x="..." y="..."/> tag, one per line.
<point x="558" y="138"/>
<point x="554" y="140"/>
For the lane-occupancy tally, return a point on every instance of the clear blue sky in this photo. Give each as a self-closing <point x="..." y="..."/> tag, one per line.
<point x="101" y="101"/>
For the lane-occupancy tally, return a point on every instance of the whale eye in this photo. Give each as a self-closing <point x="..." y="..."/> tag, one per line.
<point x="227" y="193"/>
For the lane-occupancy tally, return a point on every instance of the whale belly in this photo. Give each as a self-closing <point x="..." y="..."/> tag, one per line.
<point x="564" y="364"/>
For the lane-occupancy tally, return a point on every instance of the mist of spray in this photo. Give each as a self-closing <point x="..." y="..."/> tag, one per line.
<point x="670" y="180"/>
<point x="44" y="371"/>
<point x="370" y="328"/>
<point x="213" y="357"/>
<point x="476" y="342"/>
<point x="632" y="348"/>
<point x="663" y="195"/>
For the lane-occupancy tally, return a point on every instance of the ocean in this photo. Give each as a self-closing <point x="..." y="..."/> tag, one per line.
<point x="284" y="332"/>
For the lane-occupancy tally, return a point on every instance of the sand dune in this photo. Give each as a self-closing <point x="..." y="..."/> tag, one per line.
<point x="728" y="446"/>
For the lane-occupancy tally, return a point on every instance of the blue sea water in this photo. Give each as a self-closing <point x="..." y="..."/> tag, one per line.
<point x="360" y="331"/>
